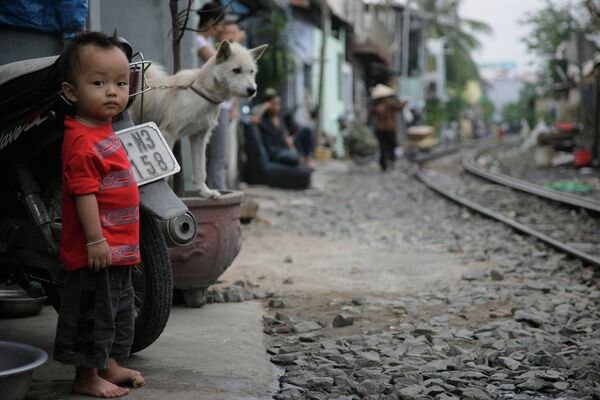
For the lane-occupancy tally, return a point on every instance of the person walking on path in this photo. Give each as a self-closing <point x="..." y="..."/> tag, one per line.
<point x="382" y="111"/>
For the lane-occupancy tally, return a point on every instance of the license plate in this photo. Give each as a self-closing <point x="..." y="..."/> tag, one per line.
<point x="150" y="157"/>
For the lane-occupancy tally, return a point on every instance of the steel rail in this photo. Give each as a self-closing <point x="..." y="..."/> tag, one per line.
<point x="470" y="165"/>
<point x="510" y="222"/>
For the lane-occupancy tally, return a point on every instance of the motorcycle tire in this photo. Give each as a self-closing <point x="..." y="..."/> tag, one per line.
<point x="152" y="279"/>
<point x="153" y="284"/>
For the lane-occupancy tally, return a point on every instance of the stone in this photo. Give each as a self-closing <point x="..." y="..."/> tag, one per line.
<point x="343" y="382"/>
<point x="305" y="326"/>
<point x="288" y="259"/>
<point x="288" y="281"/>
<point x="247" y="293"/>
<point x="538" y="285"/>
<point x="559" y="362"/>
<point x="560" y="385"/>
<point x="534" y="384"/>
<point x="509" y="363"/>
<point x="496" y="275"/>
<point x="216" y="296"/>
<point x="284" y="359"/>
<point x="444" y="396"/>
<point x="276" y="303"/>
<point x="320" y="383"/>
<point x="234" y="294"/>
<point x="309" y="336"/>
<point x="342" y="320"/>
<point x="369" y="387"/>
<point x="410" y="392"/>
<point x="365" y="359"/>
<point x="474" y="276"/>
<point x="507" y="386"/>
<point x="289" y="394"/>
<point x="473" y="393"/>
<point x="532" y="317"/>
<point x="436" y="365"/>
<point x="360" y="300"/>
<point x="423" y="330"/>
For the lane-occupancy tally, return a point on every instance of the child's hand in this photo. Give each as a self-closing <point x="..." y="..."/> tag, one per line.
<point x="99" y="256"/>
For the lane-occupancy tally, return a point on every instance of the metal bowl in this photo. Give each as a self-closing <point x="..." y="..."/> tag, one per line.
<point x="16" y="303"/>
<point x="17" y="362"/>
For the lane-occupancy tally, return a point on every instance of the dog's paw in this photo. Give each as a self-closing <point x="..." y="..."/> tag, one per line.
<point x="209" y="193"/>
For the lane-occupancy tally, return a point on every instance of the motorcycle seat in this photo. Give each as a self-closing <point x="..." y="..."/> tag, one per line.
<point x="24" y="84"/>
<point x="22" y="68"/>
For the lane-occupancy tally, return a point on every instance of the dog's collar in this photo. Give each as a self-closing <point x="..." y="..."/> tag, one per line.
<point x="203" y="95"/>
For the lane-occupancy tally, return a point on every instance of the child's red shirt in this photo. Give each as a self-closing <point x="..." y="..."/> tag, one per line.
<point x="94" y="162"/>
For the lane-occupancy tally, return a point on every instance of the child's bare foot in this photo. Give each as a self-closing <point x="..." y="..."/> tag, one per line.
<point x="122" y="376"/>
<point x="89" y="383"/>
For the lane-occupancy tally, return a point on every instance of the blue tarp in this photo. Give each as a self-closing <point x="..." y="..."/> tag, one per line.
<point x="45" y="15"/>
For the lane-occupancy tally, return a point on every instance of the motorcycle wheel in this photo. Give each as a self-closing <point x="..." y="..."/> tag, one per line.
<point x="152" y="279"/>
<point x="153" y="284"/>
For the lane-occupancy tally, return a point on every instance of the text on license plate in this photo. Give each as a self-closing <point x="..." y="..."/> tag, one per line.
<point x="149" y="155"/>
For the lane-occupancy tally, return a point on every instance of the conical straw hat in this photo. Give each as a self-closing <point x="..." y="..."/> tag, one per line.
<point x="380" y="91"/>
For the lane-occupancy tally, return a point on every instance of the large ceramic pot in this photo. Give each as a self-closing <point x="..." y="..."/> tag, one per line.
<point x="199" y="264"/>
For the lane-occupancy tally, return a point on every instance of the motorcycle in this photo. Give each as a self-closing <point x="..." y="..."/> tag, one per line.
<point x="32" y="110"/>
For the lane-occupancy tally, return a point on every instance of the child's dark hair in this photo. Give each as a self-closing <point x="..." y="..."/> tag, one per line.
<point x="211" y="10"/>
<point x="69" y="59"/>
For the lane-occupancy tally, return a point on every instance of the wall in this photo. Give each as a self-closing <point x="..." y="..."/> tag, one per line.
<point x="333" y="102"/>
<point x="302" y="44"/>
<point x="22" y="44"/>
<point x="146" y="25"/>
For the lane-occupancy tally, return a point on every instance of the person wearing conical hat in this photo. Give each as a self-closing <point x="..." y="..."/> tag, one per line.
<point x="383" y="108"/>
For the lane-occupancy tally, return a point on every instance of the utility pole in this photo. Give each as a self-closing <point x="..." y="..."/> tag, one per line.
<point x="325" y="31"/>
<point x="175" y="32"/>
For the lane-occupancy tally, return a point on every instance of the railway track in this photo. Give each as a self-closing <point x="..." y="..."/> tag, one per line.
<point x="569" y="223"/>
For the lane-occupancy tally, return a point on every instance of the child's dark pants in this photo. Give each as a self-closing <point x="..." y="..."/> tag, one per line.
<point x="96" y="317"/>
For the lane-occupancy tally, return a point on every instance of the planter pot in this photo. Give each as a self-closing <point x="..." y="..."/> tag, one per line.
<point x="199" y="264"/>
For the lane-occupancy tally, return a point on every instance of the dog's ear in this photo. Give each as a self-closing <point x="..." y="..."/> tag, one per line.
<point x="224" y="51"/>
<point x="257" y="52"/>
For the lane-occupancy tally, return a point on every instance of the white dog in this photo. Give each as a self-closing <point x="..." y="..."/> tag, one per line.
<point x="187" y="103"/>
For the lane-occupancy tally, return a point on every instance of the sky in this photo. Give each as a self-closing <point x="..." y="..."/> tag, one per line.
<point x="505" y="17"/>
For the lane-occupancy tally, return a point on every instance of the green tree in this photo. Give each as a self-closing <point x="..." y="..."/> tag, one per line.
<point x="523" y="108"/>
<point x="460" y="34"/>
<point x="551" y="26"/>
<point x="277" y="62"/>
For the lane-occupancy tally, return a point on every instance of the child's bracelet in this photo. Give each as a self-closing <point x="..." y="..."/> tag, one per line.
<point x="88" y="244"/>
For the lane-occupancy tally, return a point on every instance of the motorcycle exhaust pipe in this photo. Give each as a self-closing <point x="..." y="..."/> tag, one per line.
<point x="29" y="194"/>
<point x="179" y="231"/>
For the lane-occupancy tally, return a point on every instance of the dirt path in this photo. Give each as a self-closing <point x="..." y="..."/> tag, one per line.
<point x="322" y="265"/>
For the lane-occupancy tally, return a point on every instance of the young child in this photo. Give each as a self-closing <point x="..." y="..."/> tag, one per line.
<point x="100" y="221"/>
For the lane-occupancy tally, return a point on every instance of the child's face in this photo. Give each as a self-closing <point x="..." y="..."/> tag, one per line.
<point x="101" y="87"/>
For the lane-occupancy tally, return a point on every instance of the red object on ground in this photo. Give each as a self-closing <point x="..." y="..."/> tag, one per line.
<point x="565" y="126"/>
<point x="583" y="157"/>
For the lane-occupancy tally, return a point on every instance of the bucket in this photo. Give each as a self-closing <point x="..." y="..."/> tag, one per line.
<point x="543" y="156"/>
<point x="583" y="157"/>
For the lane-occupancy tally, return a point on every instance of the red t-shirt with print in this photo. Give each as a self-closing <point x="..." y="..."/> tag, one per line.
<point x="94" y="162"/>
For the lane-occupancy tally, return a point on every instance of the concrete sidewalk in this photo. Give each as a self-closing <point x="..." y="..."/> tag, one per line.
<point x="214" y="352"/>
